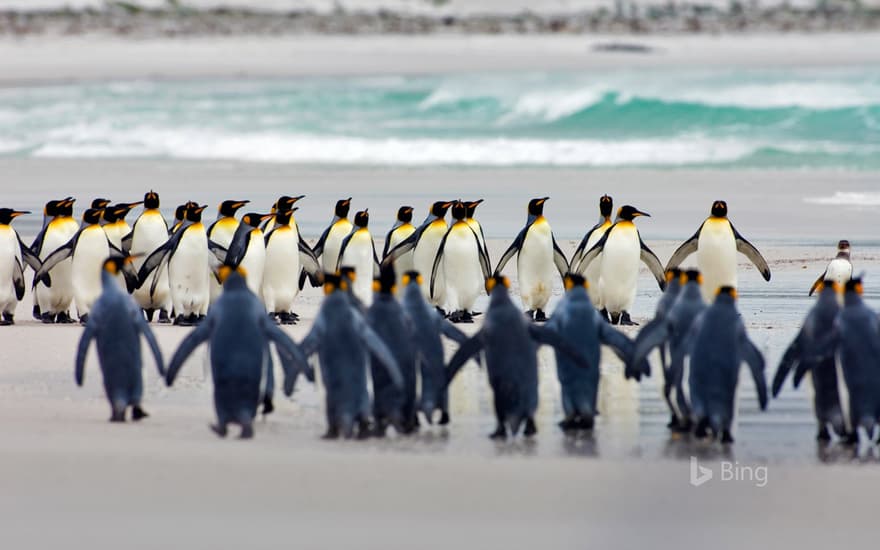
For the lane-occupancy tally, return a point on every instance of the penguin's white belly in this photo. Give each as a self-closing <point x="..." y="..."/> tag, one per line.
<point x="461" y="268"/>
<point x="149" y="234"/>
<point x="281" y="275"/>
<point x="188" y="274"/>
<point x="57" y="298"/>
<point x="9" y="253"/>
<point x="254" y="262"/>
<point x="839" y="270"/>
<point x="423" y="262"/>
<point x="535" y="268"/>
<point x="405" y="262"/>
<point x="359" y="255"/>
<point x="221" y="234"/>
<point x="88" y="259"/>
<point x="619" y="270"/>
<point x="716" y="258"/>
<point x="593" y="272"/>
<point x="330" y="256"/>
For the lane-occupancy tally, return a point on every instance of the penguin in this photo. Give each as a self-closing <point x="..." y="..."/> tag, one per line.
<point x="248" y="250"/>
<point x="510" y="344"/>
<point x="424" y="243"/>
<point x="12" y="253"/>
<point x="221" y="232"/>
<point x="286" y="254"/>
<point x="429" y="326"/>
<point x="101" y="205"/>
<point x="622" y="247"/>
<point x="116" y="228"/>
<point x="179" y="217"/>
<point x="716" y="243"/>
<point x="88" y="248"/>
<point x="345" y="343"/>
<point x="52" y="302"/>
<point x="803" y="356"/>
<point x="359" y="251"/>
<point x="594" y="282"/>
<point x="717" y="344"/>
<point x="667" y="331"/>
<point x="150" y="231"/>
<point x="465" y="267"/>
<point x="577" y="321"/>
<point x="537" y="254"/>
<point x="116" y="324"/>
<point x="855" y="341"/>
<point x="400" y="231"/>
<point x="471" y="209"/>
<point x="330" y="242"/>
<point x="188" y="256"/>
<point x="283" y="204"/>
<point x="392" y="405"/>
<point x="839" y="269"/>
<point x="238" y="333"/>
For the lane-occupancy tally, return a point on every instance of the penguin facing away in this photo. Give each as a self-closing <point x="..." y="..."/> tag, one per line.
<point x="804" y="355"/>
<point x="150" y="231"/>
<point x="622" y="249"/>
<point x="594" y="281"/>
<point x="238" y="333"/>
<point x="330" y="243"/>
<point x="52" y="303"/>
<point x="839" y="269"/>
<point x="13" y="252"/>
<point x="716" y="243"/>
<point x="116" y="324"/>
<point x="537" y="256"/>
<point x="287" y="254"/>
<point x="358" y="250"/>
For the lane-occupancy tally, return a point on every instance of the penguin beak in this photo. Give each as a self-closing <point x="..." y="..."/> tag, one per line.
<point x="200" y="208"/>
<point x="239" y="204"/>
<point x="265" y="217"/>
<point x="476" y="202"/>
<point x="543" y="200"/>
<point x="448" y="204"/>
<point x="133" y="204"/>
<point x="68" y="201"/>
<point x="298" y="197"/>
<point x="18" y="213"/>
<point x="638" y="213"/>
<point x="347" y="201"/>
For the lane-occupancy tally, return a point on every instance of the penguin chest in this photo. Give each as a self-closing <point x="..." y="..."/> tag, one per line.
<point x="254" y="260"/>
<point x="88" y="257"/>
<point x="223" y="231"/>
<point x="359" y="255"/>
<point x="188" y="268"/>
<point x="9" y="255"/>
<point x="150" y="232"/>
<point x="282" y="258"/>
<point x="716" y="255"/>
<point x="839" y="270"/>
<point x="333" y="243"/>
<point x="619" y="270"/>
<point x="427" y="247"/>
<point x="535" y="267"/>
<point x="461" y="267"/>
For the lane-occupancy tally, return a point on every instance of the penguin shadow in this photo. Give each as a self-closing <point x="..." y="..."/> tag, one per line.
<point x="580" y="443"/>
<point x="684" y="446"/>
<point x="516" y="446"/>
<point x="838" y="452"/>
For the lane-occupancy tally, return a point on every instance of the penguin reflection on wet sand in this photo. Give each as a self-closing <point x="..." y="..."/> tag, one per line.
<point x="14" y="255"/>
<point x="510" y="344"/>
<point x="804" y="355"/>
<point x="622" y="249"/>
<point x="238" y="333"/>
<point x="716" y="243"/>
<point x="539" y="261"/>
<point x="116" y="324"/>
<point x="839" y="269"/>
<point x="717" y="345"/>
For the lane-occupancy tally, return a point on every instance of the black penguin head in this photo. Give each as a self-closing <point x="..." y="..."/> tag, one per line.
<point x="629" y="213"/>
<point x="725" y="292"/>
<point x="194" y="212"/>
<point x="92" y="216"/>
<point x="606" y="205"/>
<point x="151" y="200"/>
<point x="843" y="245"/>
<point x="99" y="204"/>
<point x="536" y="206"/>
<point x="719" y="209"/>
<point x="692" y="275"/>
<point x="282" y="217"/>
<point x="254" y="220"/>
<point x="459" y="210"/>
<point x="497" y="282"/>
<point x="285" y="203"/>
<point x="108" y="214"/>
<point x="116" y="264"/>
<point x="333" y="282"/>
<point x="348" y="275"/>
<point x="53" y="208"/>
<point x="829" y="285"/>
<point x="232" y="277"/>
<point x="65" y="207"/>
<point x="573" y="280"/>
<point x="227" y="209"/>
<point x="404" y="214"/>
<point x="342" y="208"/>
<point x="471" y="207"/>
<point x="440" y="208"/>
<point x="8" y="214"/>
<point x="673" y="274"/>
<point x="411" y="277"/>
<point x="386" y="282"/>
<point x="362" y="218"/>
<point x="121" y="210"/>
<point x="180" y="212"/>
<point x="854" y="285"/>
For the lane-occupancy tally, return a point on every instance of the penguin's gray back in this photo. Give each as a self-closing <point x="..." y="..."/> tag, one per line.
<point x="342" y="354"/>
<point x="117" y="336"/>
<point x="575" y="320"/>
<point x="859" y="352"/>
<point x="715" y="360"/>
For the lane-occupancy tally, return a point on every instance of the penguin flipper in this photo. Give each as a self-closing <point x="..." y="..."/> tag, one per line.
<point x="126" y="241"/>
<point x="187" y="346"/>
<point x="404" y="246"/>
<point x="575" y="258"/>
<point x="594" y="252"/>
<point x="30" y="258"/>
<point x="686" y="249"/>
<point x="37" y="246"/>
<point x="18" y="279"/>
<point x="559" y="258"/>
<point x="380" y="351"/>
<point x="653" y="262"/>
<point x="144" y="327"/>
<point x="512" y="249"/>
<point x="293" y="361"/>
<point x="653" y="335"/>
<point x="748" y="250"/>
<point x="319" y="246"/>
<point x="310" y="266"/>
<point x="818" y="282"/>
<point x="546" y="336"/>
<point x="154" y="260"/>
<point x="791" y="358"/>
<point x="466" y="350"/>
<point x="755" y="361"/>
<point x="437" y="258"/>
<point x="237" y="248"/>
<point x="81" y="350"/>
<point x="59" y="255"/>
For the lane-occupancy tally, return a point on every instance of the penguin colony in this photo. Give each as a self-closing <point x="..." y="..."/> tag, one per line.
<point x="237" y="280"/>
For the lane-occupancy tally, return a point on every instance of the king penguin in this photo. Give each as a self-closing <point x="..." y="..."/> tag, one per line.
<point x="464" y="265"/>
<point x="622" y="248"/>
<point x="116" y="324"/>
<point x="222" y="231"/>
<point x="54" y="301"/>
<point x="286" y="255"/>
<point x="591" y="273"/>
<point x="150" y="232"/>
<point x="537" y="256"/>
<point x="248" y="250"/>
<point x="101" y="205"/>
<point x="12" y="253"/>
<point x="400" y="231"/>
<point x="116" y="228"/>
<point x="329" y="244"/>
<point x="359" y="251"/>
<point x="839" y="269"/>
<point x="283" y="204"/>
<point x="716" y="243"/>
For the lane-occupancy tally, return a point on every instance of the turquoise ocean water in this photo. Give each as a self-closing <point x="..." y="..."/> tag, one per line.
<point x="670" y="118"/>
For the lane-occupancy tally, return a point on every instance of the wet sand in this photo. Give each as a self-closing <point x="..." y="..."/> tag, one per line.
<point x="170" y="480"/>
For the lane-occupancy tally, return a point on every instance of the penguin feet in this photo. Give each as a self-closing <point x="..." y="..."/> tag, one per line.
<point x="461" y="316"/>
<point x="118" y="414"/>
<point x="823" y="435"/>
<point x="530" y="313"/>
<point x="49" y="319"/>
<point x="331" y="433"/>
<point x="614" y="318"/>
<point x="137" y="413"/>
<point x="499" y="434"/>
<point x="148" y="314"/>
<point x="585" y="423"/>
<point x="441" y="311"/>
<point x="83" y="319"/>
<point x="247" y="431"/>
<point x="197" y="319"/>
<point x="851" y="439"/>
<point x="64" y="318"/>
<point x="604" y="314"/>
<point x="540" y="316"/>
<point x="268" y="406"/>
<point x="163" y="317"/>
<point x="364" y="429"/>
<point x="7" y="320"/>
<point x="568" y="424"/>
<point x="381" y="427"/>
<point x="37" y="313"/>
<point x="275" y="317"/>
<point x="702" y="429"/>
<point x="726" y="437"/>
<point x="219" y="429"/>
<point x="682" y="426"/>
<point x="626" y="320"/>
<point x="530" y="428"/>
<point x="673" y="422"/>
<point x="287" y="318"/>
<point x="444" y="418"/>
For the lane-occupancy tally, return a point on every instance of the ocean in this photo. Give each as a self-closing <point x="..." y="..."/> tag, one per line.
<point x="785" y="119"/>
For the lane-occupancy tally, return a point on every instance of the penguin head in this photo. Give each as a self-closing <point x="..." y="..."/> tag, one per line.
<point x="232" y="277"/>
<point x="180" y="213"/>
<point x="118" y="264"/>
<point x="673" y="274"/>
<point x="606" y="205"/>
<point x="843" y="245"/>
<point x="854" y="285"/>
<point x="342" y="208"/>
<point x="282" y="217"/>
<point x="829" y="285"/>
<point x="440" y="208"/>
<point x="411" y="277"/>
<point x="347" y="275"/>
<point x="536" y="206"/>
<point x="719" y="209"/>
<point x="99" y="204"/>
<point x="332" y="283"/>
<point x="691" y="275"/>
<point x="629" y="213"/>
<point x="404" y="214"/>
<point x="285" y="202"/>
<point x="459" y="210"/>
<point x="573" y="280"/>
<point x="8" y="214"/>
<point x="362" y="218"/>
<point x="92" y="216"/>
<point x="65" y="207"/>
<point x="227" y="209"/>
<point x="194" y="212"/>
<point x="151" y="200"/>
<point x="254" y="220"/>
<point x="497" y="281"/>
<point x="386" y="282"/>
<point x="725" y="293"/>
<point x="471" y="207"/>
<point x="121" y="210"/>
<point x="52" y="208"/>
